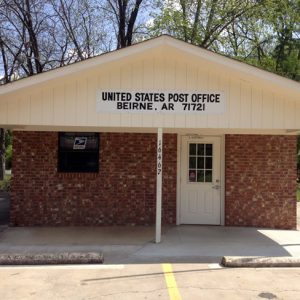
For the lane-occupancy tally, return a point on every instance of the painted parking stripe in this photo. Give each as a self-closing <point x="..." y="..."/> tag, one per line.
<point x="171" y="282"/>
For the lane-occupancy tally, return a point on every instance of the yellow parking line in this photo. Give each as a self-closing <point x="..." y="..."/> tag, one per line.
<point x="171" y="282"/>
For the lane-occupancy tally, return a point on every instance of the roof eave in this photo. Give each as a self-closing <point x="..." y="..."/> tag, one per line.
<point x="202" y="53"/>
<point x="82" y="65"/>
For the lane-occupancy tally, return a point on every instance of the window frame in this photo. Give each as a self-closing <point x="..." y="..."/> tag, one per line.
<point x="93" y="151"/>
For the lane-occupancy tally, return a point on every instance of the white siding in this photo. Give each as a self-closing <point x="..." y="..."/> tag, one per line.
<point x="71" y="100"/>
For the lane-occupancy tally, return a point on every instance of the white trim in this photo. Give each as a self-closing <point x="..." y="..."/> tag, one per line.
<point x="178" y="183"/>
<point x="147" y="45"/>
<point x="82" y="65"/>
<point x="222" y="153"/>
<point x="222" y="177"/>
<point x="181" y="131"/>
<point x="233" y="64"/>
<point x="159" y="185"/>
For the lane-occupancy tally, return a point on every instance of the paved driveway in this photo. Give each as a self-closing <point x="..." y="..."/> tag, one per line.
<point x="148" y="281"/>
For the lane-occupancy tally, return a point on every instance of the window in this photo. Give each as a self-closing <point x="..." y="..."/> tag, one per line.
<point x="78" y="152"/>
<point x="200" y="162"/>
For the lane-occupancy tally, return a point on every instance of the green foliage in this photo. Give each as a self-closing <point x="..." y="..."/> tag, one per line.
<point x="8" y="157"/>
<point x="5" y="183"/>
<point x="8" y="149"/>
<point x="8" y="138"/>
<point x="265" y="33"/>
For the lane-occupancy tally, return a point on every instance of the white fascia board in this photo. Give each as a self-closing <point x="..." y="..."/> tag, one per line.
<point x="147" y="45"/>
<point x="234" y="64"/>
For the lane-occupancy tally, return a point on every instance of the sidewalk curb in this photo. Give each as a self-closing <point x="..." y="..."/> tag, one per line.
<point x="51" y="258"/>
<point x="260" y="262"/>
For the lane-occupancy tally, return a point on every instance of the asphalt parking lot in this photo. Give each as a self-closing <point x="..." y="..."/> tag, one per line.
<point x="131" y="278"/>
<point x="151" y="281"/>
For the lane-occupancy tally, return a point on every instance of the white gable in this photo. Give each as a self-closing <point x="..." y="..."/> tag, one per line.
<point x="65" y="98"/>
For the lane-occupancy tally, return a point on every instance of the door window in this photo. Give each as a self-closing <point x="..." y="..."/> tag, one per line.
<point x="200" y="162"/>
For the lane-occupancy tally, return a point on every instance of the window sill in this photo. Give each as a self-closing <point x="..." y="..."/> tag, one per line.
<point x="77" y="175"/>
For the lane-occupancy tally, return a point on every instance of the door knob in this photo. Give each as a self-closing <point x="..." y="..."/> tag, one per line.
<point x="216" y="187"/>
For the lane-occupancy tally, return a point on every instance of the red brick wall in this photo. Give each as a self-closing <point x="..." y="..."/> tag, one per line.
<point x="122" y="193"/>
<point x="260" y="181"/>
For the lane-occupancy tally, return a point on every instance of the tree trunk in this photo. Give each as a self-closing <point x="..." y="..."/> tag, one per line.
<point x="2" y="153"/>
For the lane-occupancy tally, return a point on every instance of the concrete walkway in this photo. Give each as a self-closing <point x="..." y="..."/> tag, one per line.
<point x="135" y="244"/>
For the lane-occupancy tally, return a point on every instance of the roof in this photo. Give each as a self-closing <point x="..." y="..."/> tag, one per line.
<point x="146" y="45"/>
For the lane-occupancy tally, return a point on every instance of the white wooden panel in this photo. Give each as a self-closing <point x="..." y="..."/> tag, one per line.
<point x="225" y="87"/>
<point x="3" y="110"/>
<point x="138" y="83"/>
<point x="36" y="113"/>
<point x="159" y="77"/>
<point x="13" y="110"/>
<point x="297" y="103"/>
<point x="278" y="115"/>
<point x="59" y="105"/>
<point x="170" y="81"/>
<point x="70" y="102"/>
<point x="267" y="110"/>
<point x="203" y="78"/>
<point x="81" y="102"/>
<point x="214" y="85"/>
<point x="246" y="105"/>
<point x="235" y="103"/>
<point x="180" y="83"/>
<point x="181" y="75"/>
<point x="256" y="112"/>
<point x="24" y="109"/>
<point x="103" y="83"/>
<point x="126" y="84"/>
<point x="290" y="113"/>
<point x="202" y="84"/>
<point x="115" y="83"/>
<point x="91" y="101"/>
<point x="147" y="76"/>
<point x="191" y="84"/>
<point x="176" y="81"/>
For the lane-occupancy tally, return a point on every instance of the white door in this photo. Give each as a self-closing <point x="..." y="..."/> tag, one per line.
<point x="200" y="181"/>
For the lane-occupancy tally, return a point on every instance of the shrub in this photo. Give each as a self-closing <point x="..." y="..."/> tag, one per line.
<point x="8" y="157"/>
<point x="5" y="183"/>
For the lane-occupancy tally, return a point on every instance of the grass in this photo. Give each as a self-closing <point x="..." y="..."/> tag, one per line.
<point x="298" y="192"/>
<point x="5" y="183"/>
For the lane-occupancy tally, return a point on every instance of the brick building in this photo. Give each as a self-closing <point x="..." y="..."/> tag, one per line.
<point x="162" y="131"/>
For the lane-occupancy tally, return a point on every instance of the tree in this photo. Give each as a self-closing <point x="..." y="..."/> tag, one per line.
<point x="81" y="27"/>
<point x="264" y="33"/>
<point x="200" y="22"/>
<point x="286" y="23"/>
<point x="38" y="35"/>
<point x="122" y="18"/>
<point x="23" y="31"/>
